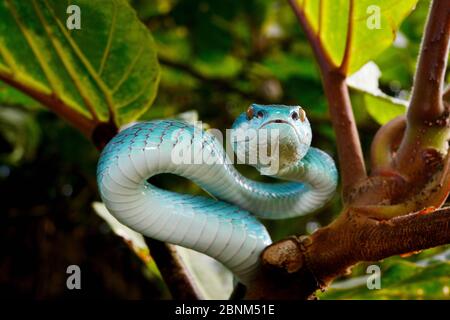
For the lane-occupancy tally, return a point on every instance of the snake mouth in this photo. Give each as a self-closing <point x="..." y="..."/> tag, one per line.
<point x="248" y="139"/>
<point x="275" y="121"/>
<point x="284" y="122"/>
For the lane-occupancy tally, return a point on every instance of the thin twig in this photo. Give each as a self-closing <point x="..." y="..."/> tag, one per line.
<point x="173" y="270"/>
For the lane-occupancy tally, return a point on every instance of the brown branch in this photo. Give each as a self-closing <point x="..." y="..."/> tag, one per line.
<point x="320" y="54"/>
<point x="173" y="270"/>
<point x="384" y="143"/>
<point x="446" y="95"/>
<point x="351" y="159"/>
<point x="306" y="264"/>
<point x="428" y="120"/>
<point x="298" y="266"/>
<point x="82" y="123"/>
<point x="426" y="99"/>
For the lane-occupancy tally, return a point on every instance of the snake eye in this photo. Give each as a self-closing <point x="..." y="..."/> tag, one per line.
<point x="260" y="114"/>
<point x="294" y="115"/>
<point x="249" y="113"/>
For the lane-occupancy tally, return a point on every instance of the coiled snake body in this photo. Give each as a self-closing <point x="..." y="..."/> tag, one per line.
<point x="226" y="229"/>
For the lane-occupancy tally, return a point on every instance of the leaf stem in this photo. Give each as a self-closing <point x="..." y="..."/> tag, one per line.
<point x="82" y="123"/>
<point x="351" y="158"/>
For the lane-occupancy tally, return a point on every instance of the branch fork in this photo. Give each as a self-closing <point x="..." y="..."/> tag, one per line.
<point x="396" y="209"/>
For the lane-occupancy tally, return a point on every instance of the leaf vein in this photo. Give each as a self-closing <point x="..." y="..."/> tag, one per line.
<point x="135" y="97"/>
<point x="71" y="71"/>
<point x="128" y="71"/>
<point x="103" y="88"/>
<point x="109" y="41"/>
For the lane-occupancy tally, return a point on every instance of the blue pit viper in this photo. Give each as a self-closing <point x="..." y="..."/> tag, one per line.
<point x="225" y="228"/>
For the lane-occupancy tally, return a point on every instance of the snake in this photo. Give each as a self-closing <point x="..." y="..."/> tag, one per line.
<point x="225" y="226"/>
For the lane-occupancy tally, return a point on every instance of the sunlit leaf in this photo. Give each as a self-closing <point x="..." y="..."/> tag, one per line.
<point x="383" y="108"/>
<point x="355" y="30"/>
<point x="108" y="68"/>
<point x="366" y="94"/>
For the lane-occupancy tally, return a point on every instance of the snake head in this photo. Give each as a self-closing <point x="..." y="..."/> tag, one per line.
<point x="271" y="133"/>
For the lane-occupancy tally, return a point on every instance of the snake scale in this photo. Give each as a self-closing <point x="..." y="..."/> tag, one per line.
<point x="225" y="228"/>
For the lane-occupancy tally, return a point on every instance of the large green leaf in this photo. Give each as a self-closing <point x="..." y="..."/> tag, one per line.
<point x="108" y="68"/>
<point x="400" y="279"/>
<point x="349" y="27"/>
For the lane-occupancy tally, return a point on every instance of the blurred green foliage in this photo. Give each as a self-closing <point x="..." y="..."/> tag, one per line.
<point x="216" y="57"/>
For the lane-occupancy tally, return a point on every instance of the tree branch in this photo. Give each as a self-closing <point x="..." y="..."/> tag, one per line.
<point x="173" y="270"/>
<point x="426" y="98"/>
<point x="309" y="263"/>
<point x="446" y="95"/>
<point x="387" y="138"/>
<point x="351" y="159"/>
<point x="296" y="267"/>
<point x="428" y="120"/>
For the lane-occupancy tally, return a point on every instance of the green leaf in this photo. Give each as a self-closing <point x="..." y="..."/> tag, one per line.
<point x="10" y="96"/>
<point x="400" y="279"/>
<point x="383" y="108"/>
<point x="365" y="91"/>
<point x="355" y="30"/>
<point x="107" y="69"/>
